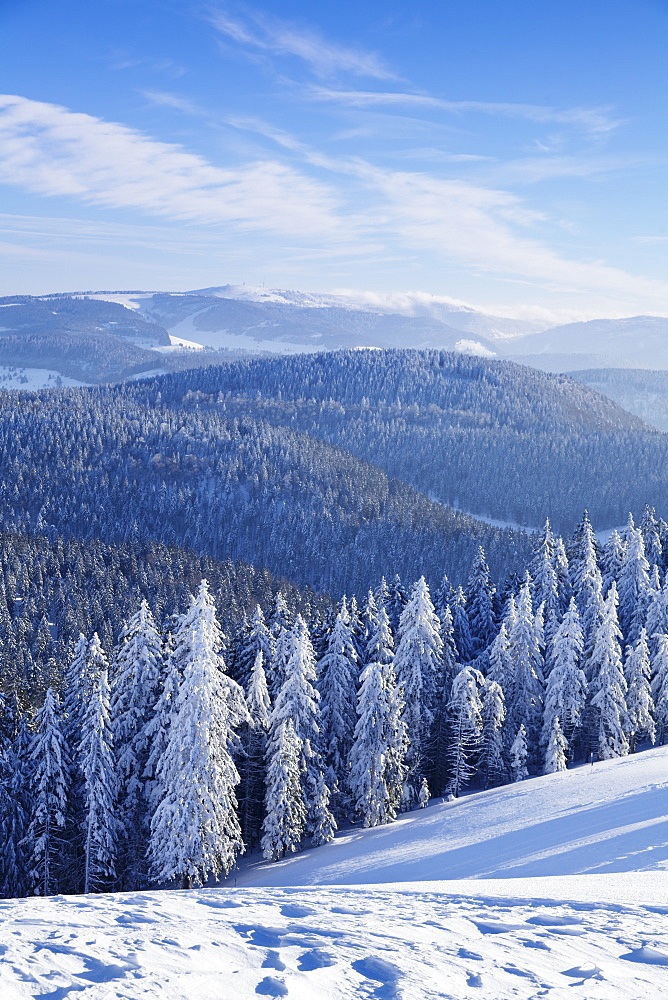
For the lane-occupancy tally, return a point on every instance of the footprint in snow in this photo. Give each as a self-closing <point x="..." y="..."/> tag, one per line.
<point x="315" y="959"/>
<point x="270" y="987"/>
<point x="348" y="910"/>
<point x="554" y="920"/>
<point x="218" y="904"/>
<point x="584" y="972"/>
<point x="273" y="961"/>
<point x="265" y="937"/>
<point x="474" y="979"/>
<point x="647" y="955"/>
<point x="296" y="910"/>
<point x="465" y="953"/>
<point x="536" y="944"/>
<point x="380" y="971"/>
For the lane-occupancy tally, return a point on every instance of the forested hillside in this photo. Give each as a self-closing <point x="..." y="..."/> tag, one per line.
<point x="639" y="391"/>
<point x="52" y="589"/>
<point x="159" y="759"/>
<point x="89" y="340"/>
<point x="116" y="465"/>
<point x="489" y="437"/>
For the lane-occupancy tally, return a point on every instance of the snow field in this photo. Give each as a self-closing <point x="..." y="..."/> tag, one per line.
<point x="602" y="818"/>
<point x="330" y="944"/>
<point x="30" y="379"/>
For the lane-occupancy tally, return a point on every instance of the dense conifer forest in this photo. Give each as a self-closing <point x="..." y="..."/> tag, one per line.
<point x="106" y="464"/>
<point x="489" y="437"/>
<point x="159" y="756"/>
<point x="182" y="678"/>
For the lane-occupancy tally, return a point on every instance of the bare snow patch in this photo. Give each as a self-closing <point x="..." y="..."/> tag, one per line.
<point x="473" y="347"/>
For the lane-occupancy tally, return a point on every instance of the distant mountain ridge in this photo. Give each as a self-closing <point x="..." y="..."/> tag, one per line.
<point x="632" y="342"/>
<point x="102" y="336"/>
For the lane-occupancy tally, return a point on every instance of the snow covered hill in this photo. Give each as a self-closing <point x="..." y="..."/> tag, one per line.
<point x="611" y="816"/>
<point x="476" y="898"/>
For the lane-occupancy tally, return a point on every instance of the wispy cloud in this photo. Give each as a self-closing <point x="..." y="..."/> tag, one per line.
<point x="165" y="99"/>
<point x="50" y="150"/>
<point x="597" y="121"/>
<point x="478" y="226"/>
<point x="279" y="37"/>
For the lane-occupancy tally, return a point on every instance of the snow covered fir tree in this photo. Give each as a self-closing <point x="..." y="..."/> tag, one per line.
<point x="157" y="747"/>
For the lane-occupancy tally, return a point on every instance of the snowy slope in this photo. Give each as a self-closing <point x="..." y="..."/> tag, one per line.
<point x="30" y="379"/>
<point x="611" y="816"/>
<point x="478" y="898"/>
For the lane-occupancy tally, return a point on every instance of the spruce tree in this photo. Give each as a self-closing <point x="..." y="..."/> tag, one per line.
<point x="252" y="761"/>
<point x="651" y="533"/>
<point x="377" y="770"/>
<point x="480" y="593"/>
<point x="545" y="583"/>
<point x="195" y="832"/>
<point x="285" y="811"/>
<point x="608" y="685"/>
<point x="612" y="559"/>
<point x="525" y="701"/>
<point x="96" y="763"/>
<point x="633" y="585"/>
<point x="566" y="690"/>
<point x="518" y="755"/>
<point x="501" y="668"/>
<point x="49" y="779"/>
<point x="585" y="575"/>
<point x="640" y="721"/>
<point x="337" y="673"/>
<point x="465" y="727"/>
<point x="461" y="627"/>
<point x="298" y="700"/>
<point x="491" y="764"/>
<point x="660" y="687"/>
<point x="255" y="637"/>
<point x="656" y="620"/>
<point x="137" y="676"/>
<point x="557" y="749"/>
<point x="418" y="667"/>
<point x="16" y="789"/>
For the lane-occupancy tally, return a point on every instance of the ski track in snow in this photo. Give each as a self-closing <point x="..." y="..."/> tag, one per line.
<point x="234" y="944"/>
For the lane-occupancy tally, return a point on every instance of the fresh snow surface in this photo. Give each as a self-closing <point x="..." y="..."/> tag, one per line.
<point x="179" y="344"/>
<point x="332" y="944"/>
<point x="555" y="887"/>
<point x="607" y="817"/>
<point x="30" y="379"/>
<point x="236" y="341"/>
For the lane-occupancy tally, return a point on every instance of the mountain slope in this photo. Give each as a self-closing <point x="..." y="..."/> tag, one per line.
<point x="601" y="818"/>
<point x="637" y="390"/>
<point x="225" y="485"/>
<point x="636" y="341"/>
<point x="283" y="327"/>
<point x="565" y="938"/>
<point x="489" y="437"/>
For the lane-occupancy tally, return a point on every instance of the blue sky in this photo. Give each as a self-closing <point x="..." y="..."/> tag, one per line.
<point x="510" y="155"/>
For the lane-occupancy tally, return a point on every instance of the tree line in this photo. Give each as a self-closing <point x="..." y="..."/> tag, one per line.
<point x="159" y="761"/>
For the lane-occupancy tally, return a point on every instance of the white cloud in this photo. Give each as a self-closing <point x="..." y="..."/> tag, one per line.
<point x="404" y="216"/>
<point x="324" y="58"/>
<point x="470" y="224"/>
<point x="597" y="121"/>
<point x="165" y="99"/>
<point x="52" y="151"/>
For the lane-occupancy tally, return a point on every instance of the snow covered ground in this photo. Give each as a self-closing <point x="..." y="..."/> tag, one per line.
<point x="317" y="944"/>
<point x="30" y="379"/>
<point x="611" y="816"/>
<point x="555" y="887"/>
